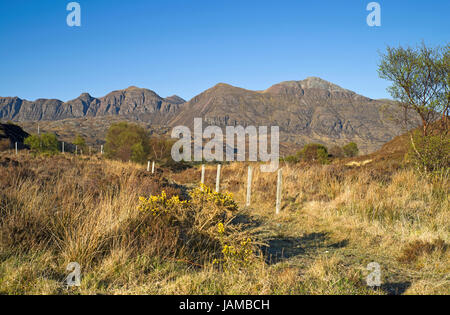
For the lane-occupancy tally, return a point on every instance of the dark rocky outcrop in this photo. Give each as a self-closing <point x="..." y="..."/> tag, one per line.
<point x="10" y="134"/>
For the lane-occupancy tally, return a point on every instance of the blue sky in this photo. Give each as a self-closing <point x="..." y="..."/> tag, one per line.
<point x="186" y="46"/>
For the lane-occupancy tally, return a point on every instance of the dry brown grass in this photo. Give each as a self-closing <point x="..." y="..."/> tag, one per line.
<point x="377" y="212"/>
<point x="334" y="221"/>
<point x="416" y="249"/>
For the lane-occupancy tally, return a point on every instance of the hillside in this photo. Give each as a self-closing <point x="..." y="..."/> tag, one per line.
<point x="312" y="110"/>
<point x="133" y="102"/>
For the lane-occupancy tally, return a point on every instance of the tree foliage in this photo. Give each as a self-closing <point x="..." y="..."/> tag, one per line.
<point x="351" y="149"/>
<point x="420" y="78"/>
<point x="314" y="152"/>
<point x="80" y="143"/>
<point x="43" y="143"/>
<point x="161" y="149"/>
<point x="127" y="142"/>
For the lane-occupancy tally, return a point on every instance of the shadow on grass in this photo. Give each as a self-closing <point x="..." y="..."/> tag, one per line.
<point x="397" y="288"/>
<point x="280" y="249"/>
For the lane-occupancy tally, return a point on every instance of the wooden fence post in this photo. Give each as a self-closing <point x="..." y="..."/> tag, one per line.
<point x="249" y="186"/>
<point x="148" y="166"/>
<point x="279" y="190"/>
<point x="62" y="149"/>
<point x="219" y="166"/>
<point x="153" y="167"/>
<point x="202" y="181"/>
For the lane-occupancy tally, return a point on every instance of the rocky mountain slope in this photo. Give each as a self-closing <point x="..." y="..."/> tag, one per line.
<point x="312" y="110"/>
<point x="133" y="102"/>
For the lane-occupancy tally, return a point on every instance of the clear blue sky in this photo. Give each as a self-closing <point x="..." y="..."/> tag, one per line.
<point x="186" y="46"/>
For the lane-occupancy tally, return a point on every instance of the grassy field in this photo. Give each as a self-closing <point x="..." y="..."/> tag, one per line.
<point x="335" y="220"/>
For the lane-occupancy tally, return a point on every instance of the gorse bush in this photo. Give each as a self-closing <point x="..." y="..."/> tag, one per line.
<point x="196" y="221"/>
<point x="43" y="143"/>
<point x="237" y="255"/>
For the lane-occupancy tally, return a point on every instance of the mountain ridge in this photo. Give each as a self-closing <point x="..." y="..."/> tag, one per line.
<point x="309" y="110"/>
<point x="132" y="101"/>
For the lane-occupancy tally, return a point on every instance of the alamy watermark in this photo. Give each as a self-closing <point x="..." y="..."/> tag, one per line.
<point x="374" y="278"/>
<point x="74" y="17"/>
<point x="374" y="18"/>
<point x="74" y="278"/>
<point x="258" y="143"/>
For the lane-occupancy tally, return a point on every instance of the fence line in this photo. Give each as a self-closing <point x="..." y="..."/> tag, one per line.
<point x="202" y="180"/>
<point x="219" y="166"/>
<point x="279" y="191"/>
<point x="249" y="186"/>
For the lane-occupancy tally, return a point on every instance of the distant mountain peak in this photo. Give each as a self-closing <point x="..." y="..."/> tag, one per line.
<point x="85" y="96"/>
<point x="223" y="85"/>
<point x="319" y="83"/>
<point x="175" y="99"/>
<point x="310" y="83"/>
<point x="131" y="88"/>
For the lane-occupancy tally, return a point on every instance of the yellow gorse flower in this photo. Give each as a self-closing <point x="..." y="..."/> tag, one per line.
<point x="159" y="204"/>
<point x="221" y="228"/>
<point x="205" y="194"/>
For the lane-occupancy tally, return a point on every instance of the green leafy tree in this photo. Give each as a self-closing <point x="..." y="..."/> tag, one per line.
<point x="419" y="79"/>
<point x="80" y="143"/>
<point x="445" y="68"/>
<point x="126" y="142"/>
<point x="138" y="153"/>
<point x="351" y="149"/>
<point x="43" y="143"/>
<point x="314" y="152"/>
